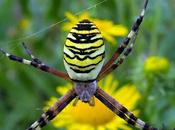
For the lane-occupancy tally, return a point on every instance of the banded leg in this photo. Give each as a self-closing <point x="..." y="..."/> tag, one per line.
<point x="115" y="65"/>
<point x="35" y="63"/>
<point x="127" y="40"/>
<point x="121" y="111"/>
<point x="54" y="110"/>
<point x="31" y="55"/>
<point x="119" y="62"/>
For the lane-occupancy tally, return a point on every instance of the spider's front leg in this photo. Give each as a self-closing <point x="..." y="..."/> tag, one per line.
<point x="54" y="110"/>
<point x="119" y="62"/>
<point x="108" y="67"/>
<point x="35" y="62"/>
<point x="121" y="111"/>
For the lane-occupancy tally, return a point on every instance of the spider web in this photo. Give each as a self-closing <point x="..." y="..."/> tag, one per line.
<point x="34" y="34"/>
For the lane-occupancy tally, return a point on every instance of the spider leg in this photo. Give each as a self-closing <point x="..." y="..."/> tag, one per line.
<point x="35" y="63"/>
<point x="30" y="54"/>
<point x="75" y="101"/>
<point x="127" y="40"/>
<point x="92" y="101"/>
<point x="119" y="62"/>
<point x="121" y="111"/>
<point x="53" y="111"/>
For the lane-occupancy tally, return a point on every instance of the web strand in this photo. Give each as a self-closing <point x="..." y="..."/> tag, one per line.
<point x="34" y="34"/>
<point x="51" y="26"/>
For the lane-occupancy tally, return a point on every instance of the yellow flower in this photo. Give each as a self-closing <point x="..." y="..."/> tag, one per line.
<point x="24" y="24"/>
<point x="108" y="29"/>
<point x="155" y="64"/>
<point x="85" y="117"/>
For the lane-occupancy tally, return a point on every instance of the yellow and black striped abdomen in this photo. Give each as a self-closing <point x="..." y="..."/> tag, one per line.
<point x="84" y="52"/>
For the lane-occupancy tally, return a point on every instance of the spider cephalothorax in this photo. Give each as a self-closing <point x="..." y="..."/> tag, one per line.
<point x="85" y="90"/>
<point x="83" y="58"/>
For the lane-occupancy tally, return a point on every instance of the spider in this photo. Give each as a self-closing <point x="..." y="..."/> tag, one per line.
<point x="84" y="52"/>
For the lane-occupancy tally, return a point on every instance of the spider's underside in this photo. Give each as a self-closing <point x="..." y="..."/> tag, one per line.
<point x="83" y="59"/>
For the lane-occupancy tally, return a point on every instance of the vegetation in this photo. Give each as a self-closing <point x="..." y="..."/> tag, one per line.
<point x="24" y="90"/>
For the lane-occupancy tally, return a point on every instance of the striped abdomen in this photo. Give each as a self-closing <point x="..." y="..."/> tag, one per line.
<point x="84" y="52"/>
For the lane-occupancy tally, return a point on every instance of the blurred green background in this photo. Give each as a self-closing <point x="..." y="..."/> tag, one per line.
<point x="24" y="90"/>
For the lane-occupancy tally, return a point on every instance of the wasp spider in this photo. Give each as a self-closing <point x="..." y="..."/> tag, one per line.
<point x="84" y="53"/>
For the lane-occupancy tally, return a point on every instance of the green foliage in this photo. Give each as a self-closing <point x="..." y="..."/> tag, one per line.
<point x="24" y="90"/>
